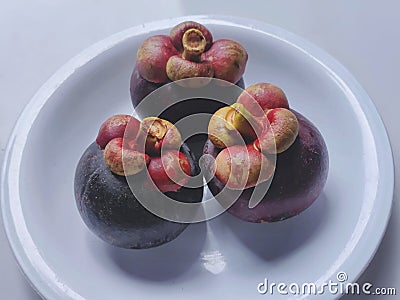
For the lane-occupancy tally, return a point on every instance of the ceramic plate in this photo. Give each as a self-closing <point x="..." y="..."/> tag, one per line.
<point x="223" y="258"/>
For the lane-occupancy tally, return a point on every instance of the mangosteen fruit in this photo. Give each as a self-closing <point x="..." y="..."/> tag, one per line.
<point x="285" y="156"/>
<point x="147" y="157"/>
<point x="189" y="51"/>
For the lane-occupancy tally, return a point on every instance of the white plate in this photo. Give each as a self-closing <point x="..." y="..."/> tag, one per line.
<point x="223" y="257"/>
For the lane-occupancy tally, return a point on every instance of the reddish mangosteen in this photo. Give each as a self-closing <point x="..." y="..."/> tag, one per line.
<point x="301" y="156"/>
<point x="188" y="52"/>
<point x="125" y="148"/>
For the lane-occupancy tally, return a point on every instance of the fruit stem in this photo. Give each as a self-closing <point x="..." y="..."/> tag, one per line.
<point x="194" y="44"/>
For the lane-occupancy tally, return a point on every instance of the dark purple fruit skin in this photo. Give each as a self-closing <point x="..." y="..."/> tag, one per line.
<point x="110" y="210"/>
<point x="140" y="88"/>
<point x="300" y="175"/>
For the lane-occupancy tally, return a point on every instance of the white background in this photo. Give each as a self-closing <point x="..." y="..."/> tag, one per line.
<point x="38" y="36"/>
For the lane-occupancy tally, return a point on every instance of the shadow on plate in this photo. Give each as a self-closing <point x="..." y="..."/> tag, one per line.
<point x="272" y="241"/>
<point x="165" y="262"/>
<point x="28" y="291"/>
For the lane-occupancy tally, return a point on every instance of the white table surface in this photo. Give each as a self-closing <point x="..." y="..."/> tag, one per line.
<point x="38" y="36"/>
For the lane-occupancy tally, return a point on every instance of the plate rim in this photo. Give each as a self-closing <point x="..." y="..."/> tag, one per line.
<point x="21" y="129"/>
